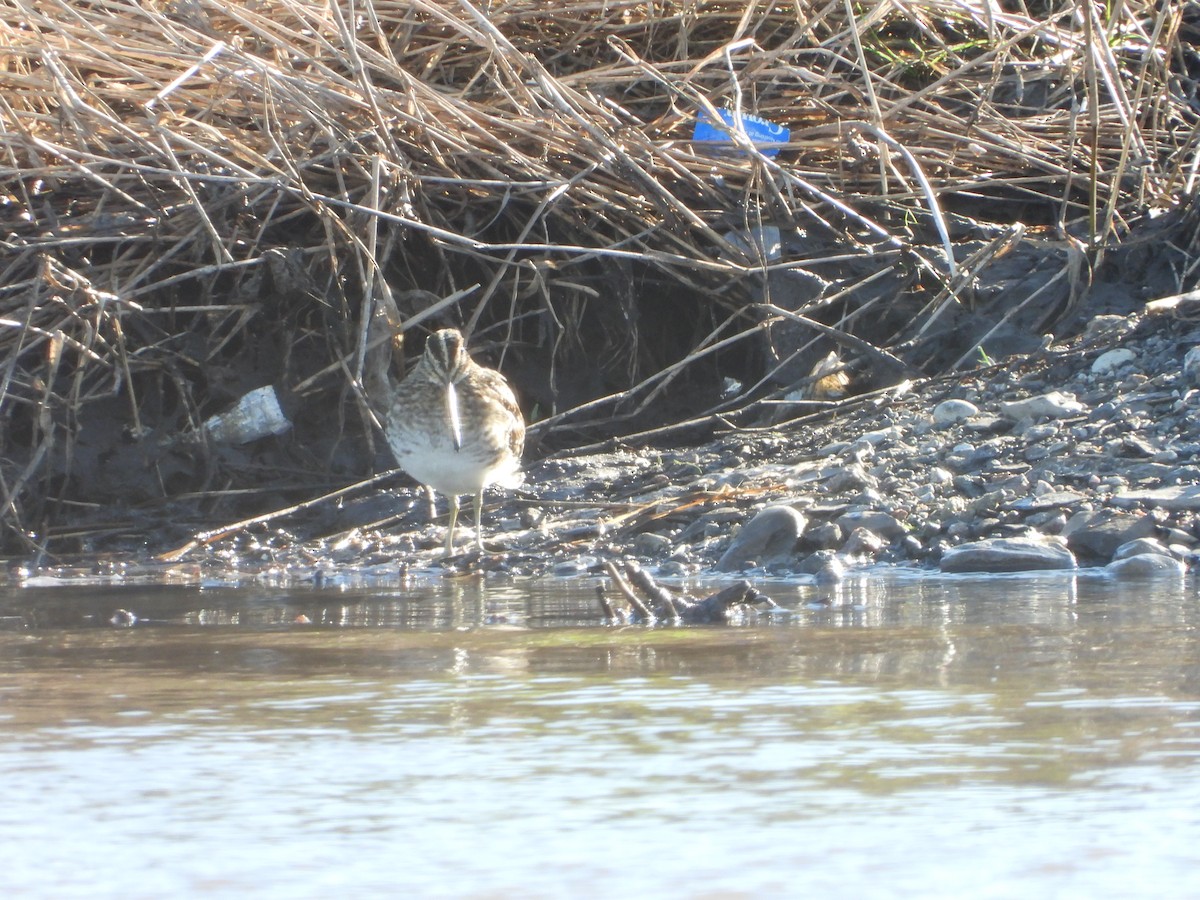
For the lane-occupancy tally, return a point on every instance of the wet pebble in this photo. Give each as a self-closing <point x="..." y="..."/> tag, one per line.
<point x="580" y="565"/>
<point x="650" y="544"/>
<point x="825" y="565"/>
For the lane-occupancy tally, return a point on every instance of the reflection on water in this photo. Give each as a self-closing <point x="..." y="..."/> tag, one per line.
<point x="481" y="738"/>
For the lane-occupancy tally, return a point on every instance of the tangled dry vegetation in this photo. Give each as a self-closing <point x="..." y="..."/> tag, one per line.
<point x="200" y="198"/>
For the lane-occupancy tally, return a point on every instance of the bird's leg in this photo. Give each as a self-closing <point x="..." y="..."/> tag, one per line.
<point x="478" y="515"/>
<point x="450" y="527"/>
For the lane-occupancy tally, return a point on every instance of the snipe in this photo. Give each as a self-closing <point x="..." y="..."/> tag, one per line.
<point x="455" y="426"/>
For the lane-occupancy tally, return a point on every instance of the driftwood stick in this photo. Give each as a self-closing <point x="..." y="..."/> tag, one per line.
<point x="653" y="591"/>
<point x="609" y="612"/>
<point x="623" y="586"/>
<point x="716" y="607"/>
<point x="207" y="537"/>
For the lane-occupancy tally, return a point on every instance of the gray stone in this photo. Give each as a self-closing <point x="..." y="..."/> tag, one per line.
<point x="863" y="542"/>
<point x="1141" y="547"/>
<point x="849" y="478"/>
<point x="1035" y="433"/>
<point x="1180" y="536"/>
<point x="1025" y="554"/>
<point x="825" y="537"/>
<point x="880" y="436"/>
<point x="1048" y="501"/>
<point x="770" y="536"/>
<point x="1146" y="565"/>
<point x="1052" y="521"/>
<point x="650" y="544"/>
<point x="1098" y="533"/>
<point x="826" y="566"/>
<point x="938" y="475"/>
<point x="1108" y="326"/>
<point x="1185" y="497"/>
<point x="1054" y="405"/>
<point x="883" y="524"/>
<point x="1191" y="365"/>
<point x="958" y="531"/>
<point x="949" y="412"/>
<point x="673" y="568"/>
<point x="1112" y="360"/>
<point x="577" y="566"/>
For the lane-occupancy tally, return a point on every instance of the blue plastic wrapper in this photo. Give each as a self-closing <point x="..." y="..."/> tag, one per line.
<point x="766" y="136"/>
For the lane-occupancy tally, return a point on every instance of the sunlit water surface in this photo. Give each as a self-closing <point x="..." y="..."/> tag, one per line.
<point x="1008" y="737"/>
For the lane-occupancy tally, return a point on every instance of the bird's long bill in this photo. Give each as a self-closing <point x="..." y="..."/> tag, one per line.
<point x="452" y="412"/>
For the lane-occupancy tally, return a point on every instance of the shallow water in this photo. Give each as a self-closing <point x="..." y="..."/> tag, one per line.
<point x="1022" y="736"/>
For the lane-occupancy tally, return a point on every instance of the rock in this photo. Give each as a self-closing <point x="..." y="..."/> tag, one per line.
<point x="1180" y="537"/>
<point x="1052" y="521"/>
<point x="1178" y="497"/>
<point x="1141" y="547"/>
<point x="770" y="535"/>
<point x="912" y="546"/>
<point x="883" y="524"/>
<point x="1023" y="554"/>
<point x="825" y="537"/>
<point x="1109" y="362"/>
<point x="958" y="531"/>
<point x="1108" y="326"/>
<point x="880" y="436"/>
<point x="580" y="565"/>
<point x="1098" y="533"/>
<point x="1146" y="565"/>
<point x="863" y="542"/>
<point x="1191" y="365"/>
<point x="1130" y="446"/>
<point x="948" y="412"/>
<point x="650" y="544"/>
<point x="1054" y="405"/>
<point x="1048" y="501"/>
<point x="825" y="565"/>
<point x="938" y="475"/>
<point x="1036" y="433"/>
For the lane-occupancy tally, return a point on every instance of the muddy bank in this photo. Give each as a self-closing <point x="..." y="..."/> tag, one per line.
<point x="1079" y="455"/>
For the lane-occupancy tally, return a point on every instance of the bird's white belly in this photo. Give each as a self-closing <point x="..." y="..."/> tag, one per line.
<point x="445" y="469"/>
<point x="431" y="458"/>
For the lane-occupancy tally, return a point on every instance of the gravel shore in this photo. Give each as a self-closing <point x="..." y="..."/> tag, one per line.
<point x="1085" y="454"/>
<point x="1057" y="460"/>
